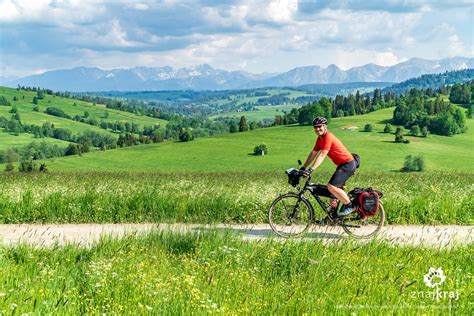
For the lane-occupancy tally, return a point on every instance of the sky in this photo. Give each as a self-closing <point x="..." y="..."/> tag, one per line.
<point x="252" y="35"/>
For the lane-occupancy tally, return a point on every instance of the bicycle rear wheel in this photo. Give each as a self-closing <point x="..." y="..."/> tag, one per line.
<point x="290" y="215"/>
<point x="368" y="227"/>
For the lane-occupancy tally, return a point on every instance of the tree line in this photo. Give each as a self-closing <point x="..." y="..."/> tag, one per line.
<point x="418" y="108"/>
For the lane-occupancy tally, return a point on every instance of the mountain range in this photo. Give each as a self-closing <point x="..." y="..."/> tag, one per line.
<point x="204" y="77"/>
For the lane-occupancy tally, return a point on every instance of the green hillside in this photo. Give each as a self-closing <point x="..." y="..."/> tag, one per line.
<point x="286" y="144"/>
<point x="71" y="107"/>
<point x="9" y="141"/>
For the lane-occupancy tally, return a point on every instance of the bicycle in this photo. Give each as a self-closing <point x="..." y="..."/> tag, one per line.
<point x="291" y="214"/>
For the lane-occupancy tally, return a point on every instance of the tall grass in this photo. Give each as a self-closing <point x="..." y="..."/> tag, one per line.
<point x="170" y="274"/>
<point x="410" y="198"/>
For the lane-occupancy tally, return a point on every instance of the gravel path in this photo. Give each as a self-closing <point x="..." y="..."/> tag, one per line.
<point x="86" y="234"/>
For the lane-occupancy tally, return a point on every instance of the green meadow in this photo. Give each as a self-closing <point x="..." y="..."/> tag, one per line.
<point x="286" y="144"/>
<point x="69" y="106"/>
<point x="227" y="197"/>
<point x="9" y="141"/>
<point x="215" y="273"/>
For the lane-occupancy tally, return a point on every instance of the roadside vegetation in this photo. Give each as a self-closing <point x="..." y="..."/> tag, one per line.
<point x="409" y="198"/>
<point x="215" y="273"/>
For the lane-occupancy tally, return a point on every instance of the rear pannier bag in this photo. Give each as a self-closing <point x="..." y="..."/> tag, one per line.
<point x="369" y="203"/>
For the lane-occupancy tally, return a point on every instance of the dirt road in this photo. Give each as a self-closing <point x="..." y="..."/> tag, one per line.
<point x="86" y="234"/>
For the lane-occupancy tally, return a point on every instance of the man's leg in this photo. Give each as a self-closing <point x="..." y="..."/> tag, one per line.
<point x="339" y="193"/>
<point x="337" y="181"/>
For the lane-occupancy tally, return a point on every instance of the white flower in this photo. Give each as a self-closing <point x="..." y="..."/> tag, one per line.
<point x="434" y="277"/>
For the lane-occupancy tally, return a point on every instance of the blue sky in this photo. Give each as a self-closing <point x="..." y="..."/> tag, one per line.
<point x="252" y="35"/>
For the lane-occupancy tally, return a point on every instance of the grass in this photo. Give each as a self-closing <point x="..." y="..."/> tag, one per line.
<point x="409" y="198"/>
<point x="8" y="140"/>
<point x="286" y="144"/>
<point x="210" y="273"/>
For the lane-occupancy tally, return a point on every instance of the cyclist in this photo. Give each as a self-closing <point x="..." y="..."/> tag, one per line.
<point x="328" y="145"/>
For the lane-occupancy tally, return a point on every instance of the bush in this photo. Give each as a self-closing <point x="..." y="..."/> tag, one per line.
<point x="415" y="130"/>
<point x="27" y="166"/>
<point x="387" y="128"/>
<point x="260" y="150"/>
<point x="186" y="136"/>
<point x="9" y="167"/>
<point x="413" y="164"/>
<point x="368" y="128"/>
<point x="424" y="131"/>
<point x="398" y="135"/>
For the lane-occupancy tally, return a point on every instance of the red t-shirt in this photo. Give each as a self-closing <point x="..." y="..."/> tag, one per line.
<point x="336" y="150"/>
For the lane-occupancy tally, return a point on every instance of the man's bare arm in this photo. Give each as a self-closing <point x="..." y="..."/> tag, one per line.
<point x="310" y="158"/>
<point x="320" y="159"/>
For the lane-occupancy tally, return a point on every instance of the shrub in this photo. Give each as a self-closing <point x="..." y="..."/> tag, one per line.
<point x="4" y="101"/>
<point x="398" y="135"/>
<point x="27" y="166"/>
<point x="416" y="163"/>
<point x="9" y="167"/>
<point x="424" y="131"/>
<point x="387" y="128"/>
<point x="415" y="130"/>
<point x="186" y="135"/>
<point x="368" y="128"/>
<point x="260" y="150"/>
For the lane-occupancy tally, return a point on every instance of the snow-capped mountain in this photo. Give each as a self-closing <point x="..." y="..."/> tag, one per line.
<point x="204" y="77"/>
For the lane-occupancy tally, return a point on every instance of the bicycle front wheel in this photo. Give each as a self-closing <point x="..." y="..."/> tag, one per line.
<point x="290" y="215"/>
<point x="363" y="228"/>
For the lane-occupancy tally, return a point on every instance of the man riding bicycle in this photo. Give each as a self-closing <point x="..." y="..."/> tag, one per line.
<point x="328" y="145"/>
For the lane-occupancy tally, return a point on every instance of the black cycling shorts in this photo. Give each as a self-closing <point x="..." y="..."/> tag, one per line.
<point x="342" y="173"/>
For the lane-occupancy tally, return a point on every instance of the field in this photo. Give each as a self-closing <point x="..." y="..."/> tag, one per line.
<point x="215" y="273"/>
<point x="8" y="141"/>
<point x="286" y="144"/>
<point x="56" y="197"/>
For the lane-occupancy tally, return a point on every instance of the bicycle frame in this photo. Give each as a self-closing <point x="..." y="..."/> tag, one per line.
<point x="307" y="187"/>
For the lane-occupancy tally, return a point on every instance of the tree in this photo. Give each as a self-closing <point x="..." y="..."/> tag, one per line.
<point x="416" y="163"/>
<point x="27" y="166"/>
<point x="424" y="131"/>
<point x="4" y="101"/>
<point x="233" y="128"/>
<point x="186" y="135"/>
<point x="36" y="108"/>
<point x="9" y="167"/>
<point x="415" y="130"/>
<point x="368" y="128"/>
<point x="398" y="135"/>
<point x="243" y="126"/>
<point x="387" y="128"/>
<point x="253" y="125"/>
<point x="86" y="114"/>
<point x="260" y="150"/>
<point x="40" y="94"/>
<point x="35" y="100"/>
<point x="470" y="110"/>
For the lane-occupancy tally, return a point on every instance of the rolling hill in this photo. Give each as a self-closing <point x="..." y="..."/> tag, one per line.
<point x="23" y="102"/>
<point x="286" y="144"/>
